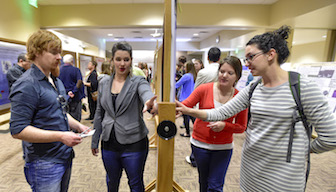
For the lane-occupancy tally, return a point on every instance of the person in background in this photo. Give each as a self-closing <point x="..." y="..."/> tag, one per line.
<point x="144" y="68"/>
<point x="119" y="123"/>
<point x="105" y="70"/>
<point x="150" y="74"/>
<point x="187" y="83"/>
<point x="15" y="72"/>
<point x="198" y="65"/>
<point x="91" y="86"/>
<point x="212" y="143"/>
<point x="249" y="79"/>
<point x="179" y="67"/>
<point x="264" y="162"/>
<point x="73" y="83"/>
<point x="138" y="72"/>
<point x="207" y="75"/>
<point x="38" y="117"/>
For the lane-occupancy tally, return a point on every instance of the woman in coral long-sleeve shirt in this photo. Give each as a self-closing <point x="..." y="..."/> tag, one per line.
<point x="212" y="143"/>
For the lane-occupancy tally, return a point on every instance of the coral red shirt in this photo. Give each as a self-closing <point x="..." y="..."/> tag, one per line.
<point x="203" y="95"/>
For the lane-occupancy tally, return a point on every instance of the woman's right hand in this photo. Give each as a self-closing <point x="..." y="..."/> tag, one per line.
<point x="95" y="152"/>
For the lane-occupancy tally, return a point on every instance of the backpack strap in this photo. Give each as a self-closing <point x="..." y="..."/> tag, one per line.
<point x="252" y="88"/>
<point x="294" y="81"/>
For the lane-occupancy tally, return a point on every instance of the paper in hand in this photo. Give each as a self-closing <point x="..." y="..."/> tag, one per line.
<point x="87" y="134"/>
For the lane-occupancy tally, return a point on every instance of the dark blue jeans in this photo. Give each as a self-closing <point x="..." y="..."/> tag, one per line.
<point x="45" y="176"/>
<point x="132" y="162"/>
<point x="212" y="166"/>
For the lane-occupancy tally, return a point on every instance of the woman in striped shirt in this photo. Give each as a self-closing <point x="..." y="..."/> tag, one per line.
<point x="264" y="166"/>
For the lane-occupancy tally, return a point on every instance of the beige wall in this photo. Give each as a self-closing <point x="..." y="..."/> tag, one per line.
<point x="18" y="19"/>
<point x="102" y="15"/>
<point x="116" y="15"/>
<point x="308" y="53"/>
<point x="286" y="11"/>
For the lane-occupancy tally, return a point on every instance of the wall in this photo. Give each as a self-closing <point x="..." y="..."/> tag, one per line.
<point x="308" y="53"/>
<point x="152" y="15"/>
<point x="18" y="19"/>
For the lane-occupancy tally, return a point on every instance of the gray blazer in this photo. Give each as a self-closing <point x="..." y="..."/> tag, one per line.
<point x="128" y="119"/>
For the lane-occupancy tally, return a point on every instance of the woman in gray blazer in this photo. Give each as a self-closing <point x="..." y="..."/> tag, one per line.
<point x="119" y="121"/>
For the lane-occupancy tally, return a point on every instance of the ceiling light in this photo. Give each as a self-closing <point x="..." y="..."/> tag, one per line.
<point x="110" y="34"/>
<point x="324" y="36"/>
<point x="195" y="34"/>
<point x="156" y="34"/>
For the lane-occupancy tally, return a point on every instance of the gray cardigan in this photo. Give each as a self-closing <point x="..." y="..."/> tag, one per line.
<point x="128" y="119"/>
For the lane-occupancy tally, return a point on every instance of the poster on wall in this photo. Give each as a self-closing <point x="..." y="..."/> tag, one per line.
<point x="8" y="56"/>
<point x="243" y="79"/>
<point x="324" y="74"/>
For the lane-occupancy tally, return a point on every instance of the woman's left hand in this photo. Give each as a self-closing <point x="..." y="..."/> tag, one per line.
<point x="151" y="105"/>
<point x="216" y="126"/>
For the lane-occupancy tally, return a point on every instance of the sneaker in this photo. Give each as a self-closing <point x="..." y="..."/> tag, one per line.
<point x="188" y="159"/>
<point x="185" y="135"/>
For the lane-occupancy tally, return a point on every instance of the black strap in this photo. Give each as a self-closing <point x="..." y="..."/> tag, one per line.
<point x="252" y="88"/>
<point x="294" y="81"/>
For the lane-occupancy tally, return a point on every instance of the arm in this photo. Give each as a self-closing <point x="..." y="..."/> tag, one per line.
<point x="97" y="123"/>
<point x="11" y="77"/>
<point x="181" y="82"/>
<point x="318" y="112"/>
<point x="79" y="83"/>
<point x="239" y="103"/>
<point x="240" y="123"/>
<point x="200" y="114"/>
<point x="75" y="125"/>
<point x="35" y="135"/>
<point x="195" y="97"/>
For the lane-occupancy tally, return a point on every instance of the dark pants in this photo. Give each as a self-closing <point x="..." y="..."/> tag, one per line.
<point x="186" y="119"/>
<point x="92" y="106"/>
<point x="212" y="166"/>
<point x="75" y="109"/>
<point x="132" y="162"/>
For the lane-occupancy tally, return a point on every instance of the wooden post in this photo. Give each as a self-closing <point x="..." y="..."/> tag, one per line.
<point x="165" y="164"/>
<point x="165" y="89"/>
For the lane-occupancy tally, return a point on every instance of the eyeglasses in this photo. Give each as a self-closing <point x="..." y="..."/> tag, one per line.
<point x="251" y="57"/>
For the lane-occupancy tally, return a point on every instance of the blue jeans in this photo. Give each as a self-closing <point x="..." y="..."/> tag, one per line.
<point x="46" y="176"/>
<point x="212" y="166"/>
<point x="132" y="162"/>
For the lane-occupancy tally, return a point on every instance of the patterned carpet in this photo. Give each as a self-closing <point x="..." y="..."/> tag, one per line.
<point x="88" y="173"/>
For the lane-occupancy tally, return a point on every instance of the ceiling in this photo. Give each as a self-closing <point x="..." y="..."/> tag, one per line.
<point x="73" y="2"/>
<point x="144" y="34"/>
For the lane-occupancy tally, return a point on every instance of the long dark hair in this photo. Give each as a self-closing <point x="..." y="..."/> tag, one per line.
<point x="190" y="68"/>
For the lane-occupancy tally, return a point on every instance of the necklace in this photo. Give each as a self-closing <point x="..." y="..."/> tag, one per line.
<point x="219" y="95"/>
